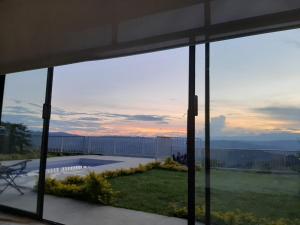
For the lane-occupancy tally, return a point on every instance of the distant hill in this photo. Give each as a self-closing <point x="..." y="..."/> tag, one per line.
<point x="286" y="145"/>
<point x="276" y="136"/>
<point x="64" y="134"/>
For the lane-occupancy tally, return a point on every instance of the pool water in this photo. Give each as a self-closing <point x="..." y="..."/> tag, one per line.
<point x="68" y="165"/>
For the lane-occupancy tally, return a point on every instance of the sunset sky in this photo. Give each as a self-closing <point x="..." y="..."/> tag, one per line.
<point x="255" y="85"/>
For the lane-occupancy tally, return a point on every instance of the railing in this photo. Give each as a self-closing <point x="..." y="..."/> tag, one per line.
<point x="256" y="159"/>
<point x="163" y="147"/>
<point x="158" y="147"/>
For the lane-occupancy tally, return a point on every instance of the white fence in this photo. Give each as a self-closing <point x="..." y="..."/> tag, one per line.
<point x="158" y="147"/>
<point x="258" y="159"/>
<point x="163" y="147"/>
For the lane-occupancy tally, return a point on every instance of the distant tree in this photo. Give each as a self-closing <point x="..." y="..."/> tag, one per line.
<point x="16" y="138"/>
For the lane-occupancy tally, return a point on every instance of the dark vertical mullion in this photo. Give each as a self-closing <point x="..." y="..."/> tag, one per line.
<point x="191" y="138"/>
<point x="44" y="145"/>
<point x="207" y="18"/>
<point x="2" y="85"/>
<point x="207" y="137"/>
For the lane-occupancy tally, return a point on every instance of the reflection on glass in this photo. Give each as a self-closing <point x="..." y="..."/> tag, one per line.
<point x="20" y="138"/>
<point x="255" y="130"/>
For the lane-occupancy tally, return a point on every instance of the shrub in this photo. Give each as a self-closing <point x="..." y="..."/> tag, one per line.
<point x="232" y="217"/>
<point x="58" y="188"/>
<point x="97" y="189"/>
<point x="127" y="172"/>
<point x="93" y="188"/>
<point x="181" y="212"/>
<point x="76" y="180"/>
<point x="170" y="164"/>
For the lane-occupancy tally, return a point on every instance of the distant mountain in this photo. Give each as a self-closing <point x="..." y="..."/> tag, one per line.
<point x="64" y="134"/>
<point x="286" y="145"/>
<point x="278" y="136"/>
<point x="39" y="133"/>
<point x="266" y="141"/>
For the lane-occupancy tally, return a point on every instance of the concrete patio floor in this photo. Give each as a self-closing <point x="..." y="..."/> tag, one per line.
<point x="73" y="212"/>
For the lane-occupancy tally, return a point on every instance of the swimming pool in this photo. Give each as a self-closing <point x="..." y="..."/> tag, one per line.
<point x="68" y="164"/>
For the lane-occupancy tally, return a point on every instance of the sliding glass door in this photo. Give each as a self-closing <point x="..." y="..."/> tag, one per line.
<point x="126" y="116"/>
<point x="21" y="137"/>
<point x="255" y="130"/>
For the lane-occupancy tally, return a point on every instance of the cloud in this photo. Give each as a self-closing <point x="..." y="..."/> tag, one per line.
<point x="17" y="101"/>
<point x="31" y="121"/>
<point x="217" y="125"/>
<point x="68" y="125"/>
<point x="288" y="113"/>
<point x="35" y="105"/>
<point x="64" y="120"/>
<point x="147" y="118"/>
<point x="62" y="112"/>
<point x="90" y="121"/>
<point x="89" y="118"/>
<point x="95" y="116"/>
<point x="19" y="110"/>
<point x="139" y="117"/>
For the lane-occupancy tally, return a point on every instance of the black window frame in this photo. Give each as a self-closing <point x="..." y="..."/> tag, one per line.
<point x="38" y="214"/>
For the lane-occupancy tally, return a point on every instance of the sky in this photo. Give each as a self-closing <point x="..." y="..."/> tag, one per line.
<point x="254" y="90"/>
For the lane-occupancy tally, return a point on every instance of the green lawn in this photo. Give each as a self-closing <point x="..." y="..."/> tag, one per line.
<point x="265" y="195"/>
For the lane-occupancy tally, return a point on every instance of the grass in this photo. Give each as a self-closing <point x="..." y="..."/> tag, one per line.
<point x="265" y="195"/>
<point x="151" y="191"/>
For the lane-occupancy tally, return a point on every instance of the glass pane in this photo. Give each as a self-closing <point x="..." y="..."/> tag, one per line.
<point x="255" y="130"/>
<point x="199" y="151"/>
<point x="20" y="138"/>
<point x="130" y="111"/>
